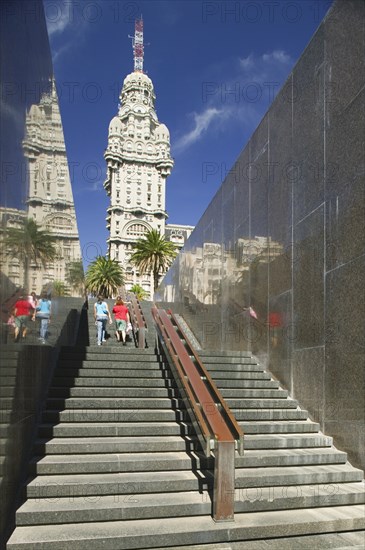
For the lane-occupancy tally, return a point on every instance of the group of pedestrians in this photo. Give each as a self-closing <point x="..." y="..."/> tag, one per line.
<point x="28" y="309"/>
<point x="102" y="315"/>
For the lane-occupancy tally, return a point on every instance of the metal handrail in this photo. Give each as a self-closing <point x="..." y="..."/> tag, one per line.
<point x="220" y="402"/>
<point x="215" y="428"/>
<point x="138" y="321"/>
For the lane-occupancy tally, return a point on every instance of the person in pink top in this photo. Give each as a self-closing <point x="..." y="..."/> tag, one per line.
<point x="121" y="316"/>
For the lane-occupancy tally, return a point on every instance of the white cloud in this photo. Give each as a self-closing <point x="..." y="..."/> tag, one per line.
<point x="277" y="56"/>
<point x="246" y="62"/>
<point x="202" y="121"/>
<point x="7" y="110"/>
<point x="66" y="25"/>
<point x="241" y="98"/>
<point x="58" y="18"/>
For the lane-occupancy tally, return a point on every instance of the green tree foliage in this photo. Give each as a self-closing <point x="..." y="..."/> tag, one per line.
<point x="58" y="288"/>
<point x="153" y="253"/>
<point x="75" y="276"/>
<point x="104" y="276"/>
<point x="30" y="244"/>
<point x="139" y="292"/>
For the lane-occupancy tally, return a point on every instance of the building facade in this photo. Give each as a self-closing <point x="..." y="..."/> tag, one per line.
<point x="138" y="164"/>
<point x="50" y="200"/>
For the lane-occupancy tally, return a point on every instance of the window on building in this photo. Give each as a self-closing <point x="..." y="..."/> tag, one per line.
<point x="136" y="230"/>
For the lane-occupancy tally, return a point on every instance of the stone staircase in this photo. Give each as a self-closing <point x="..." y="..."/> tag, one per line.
<point x="288" y="463"/>
<point x="117" y="464"/>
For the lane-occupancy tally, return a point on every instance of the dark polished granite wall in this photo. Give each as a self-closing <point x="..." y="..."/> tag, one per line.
<point x="25" y="369"/>
<point x="285" y="236"/>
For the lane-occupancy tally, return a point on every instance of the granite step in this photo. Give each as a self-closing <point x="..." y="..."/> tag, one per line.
<point x="246" y="383"/>
<point x="7" y="380"/>
<point x="244" y="393"/>
<point x="120" y="364"/>
<point x="206" y="354"/>
<point x="7" y="391"/>
<point x="268" y="403"/>
<point x="277" y="427"/>
<point x="130" y="483"/>
<point x="137" y="391"/>
<point x="163" y="505"/>
<point x="105" y="353"/>
<point x="114" y="382"/>
<point x="244" y="365"/>
<point x="113" y="507"/>
<point x="345" y="540"/>
<point x="112" y="373"/>
<point x="269" y="414"/>
<point x="114" y="429"/>
<point x="297" y="475"/>
<point x="70" y="485"/>
<point x="110" y="349"/>
<point x="121" y="445"/>
<point x="114" y="463"/>
<point x="244" y="375"/>
<point x="9" y="361"/>
<point x="254" y="458"/>
<point x="98" y="414"/>
<point x="7" y="354"/>
<point x="153" y="533"/>
<point x="113" y="403"/>
<point x="113" y="392"/>
<point x="286" y="441"/>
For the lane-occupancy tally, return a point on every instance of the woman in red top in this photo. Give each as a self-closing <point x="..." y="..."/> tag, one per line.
<point x="121" y="316"/>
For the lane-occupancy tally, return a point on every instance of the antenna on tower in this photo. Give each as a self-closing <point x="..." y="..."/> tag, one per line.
<point x="138" y="46"/>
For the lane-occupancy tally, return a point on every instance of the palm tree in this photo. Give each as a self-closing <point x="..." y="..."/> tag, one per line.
<point x="153" y="253"/>
<point x="104" y="276"/>
<point x="58" y="288"/>
<point x="75" y="276"/>
<point x="30" y="244"/>
<point x="139" y="292"/>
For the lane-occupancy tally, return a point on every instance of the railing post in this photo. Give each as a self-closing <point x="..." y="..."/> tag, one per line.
<point x="224" y="476"/>
<point x="141" y="337"/>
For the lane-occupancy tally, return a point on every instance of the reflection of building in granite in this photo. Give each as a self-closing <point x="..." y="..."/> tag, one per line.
<point x="11" y="267"/>
<point x="262" y="249"/>
<point x="178" y="234"/>
<point x="202" y="270"/>
<point x="50" y="200"/>
<point x="310" y="299"/>
<point x="139" y="162"/>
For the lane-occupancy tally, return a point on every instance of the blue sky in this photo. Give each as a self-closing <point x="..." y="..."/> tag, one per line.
<point x="215" y="66"/>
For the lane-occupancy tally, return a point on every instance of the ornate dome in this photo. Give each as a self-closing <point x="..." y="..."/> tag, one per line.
<point x="137" y="80"/>
<point x="115" y="126"/>
<point x="137" y="88"/>
<point x="35" y="112"/>
<point x="162" y="133"/>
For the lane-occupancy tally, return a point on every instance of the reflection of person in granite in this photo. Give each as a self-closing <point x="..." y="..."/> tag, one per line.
<point x="43" y="313"/>
<point x="275" y="323"/>
<point x="23" y="310"/>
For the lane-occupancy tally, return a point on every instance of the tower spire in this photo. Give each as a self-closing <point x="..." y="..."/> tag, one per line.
<point x="138" y="46"/>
